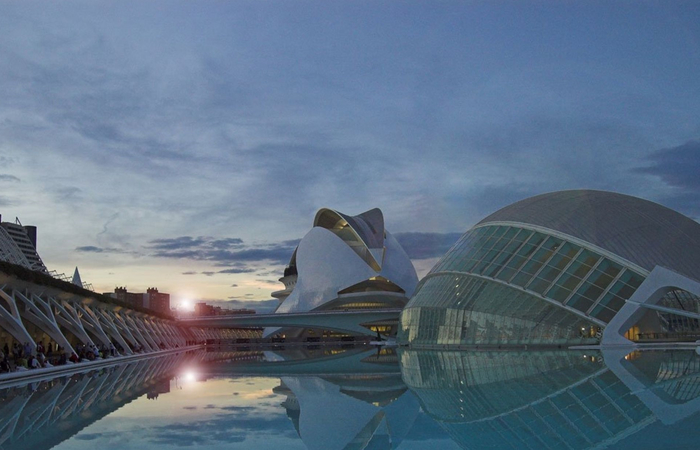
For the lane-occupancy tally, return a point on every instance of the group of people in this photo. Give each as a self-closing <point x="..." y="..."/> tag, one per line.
<point x="90" y="352"/>
<point x="26" y="357"/>
<point x="23" y="358"/>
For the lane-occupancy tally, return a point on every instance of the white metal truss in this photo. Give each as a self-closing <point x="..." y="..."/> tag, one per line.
<point x="69" y="320"/>
<point x="38" y="311"/>
<point x="11" y="320"/>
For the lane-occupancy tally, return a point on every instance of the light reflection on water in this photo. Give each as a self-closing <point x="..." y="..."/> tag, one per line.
<point x="358" y="398"/>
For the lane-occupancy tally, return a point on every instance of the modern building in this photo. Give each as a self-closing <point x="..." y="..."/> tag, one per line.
<point x="569" y="267"/>
<point x="18" y="245"/>
<point x="347" y="262"/>
<point x="151" y="299"/>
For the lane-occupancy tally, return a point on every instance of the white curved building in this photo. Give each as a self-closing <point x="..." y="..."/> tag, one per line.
<point x="561" y="268"/>
<point x="347" y="262"/>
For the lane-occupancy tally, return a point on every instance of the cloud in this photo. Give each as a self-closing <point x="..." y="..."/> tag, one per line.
<point x="224" y="252"/>
<point x="89" y="249"/>
<point x="179" y="243"/>
<point x="190" y="272"/>
<point x="237" y="270"/>
<point x="95" y="249"/>
<point x="11" y="178"/>
<point x="676" y="166"/>
<point x="426" y="245"/>
<point x="67" y="194"/>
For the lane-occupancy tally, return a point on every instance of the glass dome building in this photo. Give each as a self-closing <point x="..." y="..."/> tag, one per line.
<point x="559" y="268"/>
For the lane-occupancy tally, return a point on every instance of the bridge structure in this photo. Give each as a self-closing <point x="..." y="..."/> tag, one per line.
<point x="348" y="321"/>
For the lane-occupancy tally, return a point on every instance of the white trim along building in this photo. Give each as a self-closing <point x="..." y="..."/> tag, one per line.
<point x="568" y="267"/>
<point x="347" y="263"/>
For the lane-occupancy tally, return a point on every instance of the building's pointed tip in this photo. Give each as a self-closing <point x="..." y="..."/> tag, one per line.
<point x="76" y="278"/>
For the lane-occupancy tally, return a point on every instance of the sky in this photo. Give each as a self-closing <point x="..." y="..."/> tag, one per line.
<point x="187" y="145"/>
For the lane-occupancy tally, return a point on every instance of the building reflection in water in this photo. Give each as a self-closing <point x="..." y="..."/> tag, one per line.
<point x="42" y="414"/>
<point x="356" y="399"/>
<point x="552" y="399"/>
<point x="354" y="411"/>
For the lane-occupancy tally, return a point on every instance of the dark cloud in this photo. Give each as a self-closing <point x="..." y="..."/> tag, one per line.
<point x="189" y="272"/>
<point x="95" y="249"/>
<point x="267" y="274"/>
<point x="70" y="193"/>
<point x="234" y="285"/>
<point x="237" y="270"/>
<point x="224" y="252"/>
<point x="178" y="243"/>
<point x="209" y="274"/>
<point x="226" y="243"/>
<point x="426" y="245"/>
<point x="89" y="249"/>
<point x="676" y="166"/>
<point x="12" y="178"/>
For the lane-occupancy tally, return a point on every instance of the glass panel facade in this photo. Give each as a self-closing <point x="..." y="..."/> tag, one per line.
<point x="451" y="308"/>
<point x="466" y="310"/>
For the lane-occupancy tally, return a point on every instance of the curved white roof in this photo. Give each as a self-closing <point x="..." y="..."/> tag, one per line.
<point x="642" y="232"/>
<point x="342" y="251"/>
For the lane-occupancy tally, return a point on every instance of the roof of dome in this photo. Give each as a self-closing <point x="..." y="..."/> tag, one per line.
<point x="642" y="232"/>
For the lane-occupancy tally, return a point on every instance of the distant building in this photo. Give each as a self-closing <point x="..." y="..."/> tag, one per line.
<point x="157" y="301"/>
<point x="18" y="245"/>
<point x="152" y="299"/>
<point x="202" y="309"/>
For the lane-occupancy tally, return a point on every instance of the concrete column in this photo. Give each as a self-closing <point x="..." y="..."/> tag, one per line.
<point x="11" y="321"/>
<point x="39" y="312"/>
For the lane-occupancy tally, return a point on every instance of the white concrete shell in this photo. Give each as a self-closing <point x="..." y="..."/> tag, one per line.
<point x="342" y="251"/>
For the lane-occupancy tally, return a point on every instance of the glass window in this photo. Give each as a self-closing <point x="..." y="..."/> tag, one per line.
<point x="559" y="293"/>
<point x="502" y="258"/>
<point x="602" y="313"/>
<point x="580" y="302"/>
<point x="611" y="301"/>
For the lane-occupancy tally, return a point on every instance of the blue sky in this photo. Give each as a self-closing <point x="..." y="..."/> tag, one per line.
<point x="187" y="145"/>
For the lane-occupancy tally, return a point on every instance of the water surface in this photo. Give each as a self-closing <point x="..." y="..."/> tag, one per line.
<point x="361" y="398"/>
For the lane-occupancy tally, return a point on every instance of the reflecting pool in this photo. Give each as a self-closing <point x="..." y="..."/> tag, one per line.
<point x="364" y="398"/>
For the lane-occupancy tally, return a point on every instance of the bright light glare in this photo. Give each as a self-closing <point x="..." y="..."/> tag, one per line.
<point x="186" y="304"/>
<point x="189" y="376"/>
